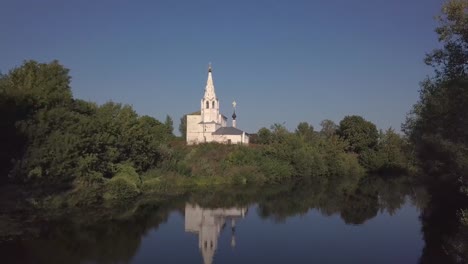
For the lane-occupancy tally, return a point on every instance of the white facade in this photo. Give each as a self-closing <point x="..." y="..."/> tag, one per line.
<point x="209" y="125"/>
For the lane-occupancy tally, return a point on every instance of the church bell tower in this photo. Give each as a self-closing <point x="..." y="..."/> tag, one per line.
<point x="210" y="103"/>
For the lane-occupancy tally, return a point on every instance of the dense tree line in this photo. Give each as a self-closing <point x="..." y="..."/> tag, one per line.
<point x="376" y="151"/>
<point x="57" y="141"/>
<point x="437" y="127"/>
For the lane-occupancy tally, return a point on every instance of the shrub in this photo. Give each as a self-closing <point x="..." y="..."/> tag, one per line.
<point x="124" y="185"/>
<point x="120" y="188"/>
<point x="129" y="173"/>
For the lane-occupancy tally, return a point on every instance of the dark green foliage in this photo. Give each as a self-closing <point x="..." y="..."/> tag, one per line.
<point x="124" y="186"/>
<point x="437" y="127"/>
<point x="169" y="124"/>
<point x="183" y="127"/>
<point x="264" y="136"/>
<point x="23" y="92"/>
<point x="64" y="142"/>
<point x="391" y="154"/>
<point x="438" y="123"/>
<point x="360" y="133"/>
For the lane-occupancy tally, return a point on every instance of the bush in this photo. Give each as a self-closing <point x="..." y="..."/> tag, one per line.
<point x="120" y="188"/>
<point x="275" y="170"/>
<point x="124" y="185"/>
<point x="129" y="173"/>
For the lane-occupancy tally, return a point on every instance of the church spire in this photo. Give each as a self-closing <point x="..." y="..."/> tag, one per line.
<point x="209" y="89"/>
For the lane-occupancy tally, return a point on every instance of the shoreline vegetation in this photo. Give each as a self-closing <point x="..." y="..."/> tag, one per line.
<point x="69" y="152"/>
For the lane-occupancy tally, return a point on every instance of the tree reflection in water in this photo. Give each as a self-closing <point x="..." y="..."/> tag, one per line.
<point x="115" y="237"/>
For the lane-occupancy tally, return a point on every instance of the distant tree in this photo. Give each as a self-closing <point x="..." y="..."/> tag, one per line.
<point x="305" y="131"/>
<point x="329" y="128"/>
<point x="183" y="127"/>
<point x="360" y="133"/>
<point x="279" y="132"/>
<point x="264" y="136"/>
<point x="169" y="123"/>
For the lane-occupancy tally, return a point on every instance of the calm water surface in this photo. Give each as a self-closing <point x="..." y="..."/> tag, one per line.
<point x="279" y="228"/>
<point x="239" y="235"/>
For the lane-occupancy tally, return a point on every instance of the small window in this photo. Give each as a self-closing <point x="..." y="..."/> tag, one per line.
<point x="207" y="104"/>
<point x="213" y="105"/>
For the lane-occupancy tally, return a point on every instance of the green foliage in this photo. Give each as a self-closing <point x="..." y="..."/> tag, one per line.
<point x="264" y="136"/>
<point x="305" y="131"/>
<point x="120" y="189"/>
<point x="183" y="127"/>
<point x="169" y="124"/>
<point x="437" y="126"/>
<point x="360" y="133"/>
<point x="128" y="172"/>
<point x="450" y="61"/>
<point x="64" y="142"/>
<point x="124" y="185"/>
<point x="329" y="128"/>
<point x="38" y="85"/>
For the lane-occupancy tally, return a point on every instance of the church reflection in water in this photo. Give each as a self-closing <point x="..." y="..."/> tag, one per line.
<point x="208" y="223"/>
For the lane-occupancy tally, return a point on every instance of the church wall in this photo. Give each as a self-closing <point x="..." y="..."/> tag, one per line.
<point x="193" y="129"/>
<point x="235" y="139"/>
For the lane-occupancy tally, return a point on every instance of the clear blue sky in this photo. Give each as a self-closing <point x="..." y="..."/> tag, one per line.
<point x="282" y="61"/>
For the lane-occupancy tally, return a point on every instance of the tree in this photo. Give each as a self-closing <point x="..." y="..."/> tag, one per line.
<point x="169" y="124"/>
<point x="40" y="85"/>
<point x="437" y="126"/>
<point x="360" y="133"/>
<point x="264" y="136"/>
<point x="329" y="128"/>
<point x="183" y="127"/>
<point x="305" y="131"/>
<point x="451" y="61"/>
<point x="24" y="91"/>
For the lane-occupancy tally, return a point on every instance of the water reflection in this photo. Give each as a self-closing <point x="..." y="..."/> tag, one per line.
<point x="152" y="230"/>
<point x="208" y="223"/>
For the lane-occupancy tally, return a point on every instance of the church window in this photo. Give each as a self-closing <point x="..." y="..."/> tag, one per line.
<point x="207" y="104"/>
<point x="213" y="106"/>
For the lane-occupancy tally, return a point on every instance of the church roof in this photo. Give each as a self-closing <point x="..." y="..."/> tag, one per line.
<point x="210" y="122"/>
<point x="228" y="131"/>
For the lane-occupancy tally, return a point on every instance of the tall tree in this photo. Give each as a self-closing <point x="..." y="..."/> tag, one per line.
<point x="438" y="123"/>
<point x="24" y="91"/>
<point x="437" y="127"/>
<point x="183" y="127"/>
<point x="169" y="124"/>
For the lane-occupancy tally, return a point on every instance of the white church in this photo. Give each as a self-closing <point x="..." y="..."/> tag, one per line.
<point x="209" y="125"/>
